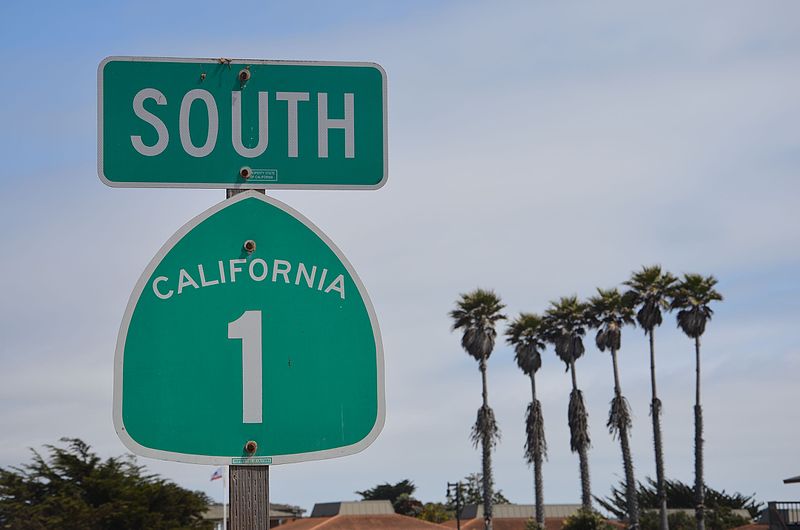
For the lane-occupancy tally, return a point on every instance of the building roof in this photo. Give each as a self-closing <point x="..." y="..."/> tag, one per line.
<point x="362" y="522"/>
<point x="752" y="526"/>
<point x="305" y="524"/>
<point x="515" y="523"/>
<point x="527" y="511"/>
<point x="329" y="509"/>
<point x="690" y="511"/>
<point x="516" y="516"/>
<point x="276" y="511"/>
<point x="214" y="512"/>
<point x="508" y="523"/>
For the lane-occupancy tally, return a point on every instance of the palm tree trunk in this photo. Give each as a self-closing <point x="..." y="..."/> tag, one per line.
<point x="655" y="413"/>
<point x="574" y="377"/>
<point x="486" y="460"/>
<point x="583" y="456"/>
<point x="537" y="466"/>
<point x="699" y="484"/>
<point x="586" y="490"/>
<point x="627" y="460"/>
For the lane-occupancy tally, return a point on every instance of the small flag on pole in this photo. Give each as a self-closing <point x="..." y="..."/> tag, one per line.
<point x="217" y="474"/>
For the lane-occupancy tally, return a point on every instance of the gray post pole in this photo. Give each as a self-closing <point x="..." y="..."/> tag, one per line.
<point x="249" y="498"/>
<point x="249" y="488"/>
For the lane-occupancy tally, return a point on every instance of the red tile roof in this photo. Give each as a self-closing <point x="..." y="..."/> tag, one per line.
<point x="752" y="526"/>
<point x="304" y="524"/>
<point x="361" y="522"/>
<point x="506" y="523"/>
<point x="516" y="523"/>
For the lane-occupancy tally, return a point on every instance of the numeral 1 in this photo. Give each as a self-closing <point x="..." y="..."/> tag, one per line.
<point x="248" y="328"/>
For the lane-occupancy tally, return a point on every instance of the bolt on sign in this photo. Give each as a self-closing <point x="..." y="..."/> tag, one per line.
<point x="248" y="339"/>
<point x="219" y="123"/>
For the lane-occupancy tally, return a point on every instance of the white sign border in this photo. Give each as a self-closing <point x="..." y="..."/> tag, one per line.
<point x="243" y="185"/>
<point x="142" y="450"/>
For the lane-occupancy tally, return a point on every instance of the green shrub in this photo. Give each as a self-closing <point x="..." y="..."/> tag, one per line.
<point x="587" y="520"/>
<point x="435" y="512"/>
<point x="531" y="524"/>
<point x="718" y="519"/>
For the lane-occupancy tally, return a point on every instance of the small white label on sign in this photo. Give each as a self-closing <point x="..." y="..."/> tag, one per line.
<point x="264" y="175"/>
<point x="257" y="460"/>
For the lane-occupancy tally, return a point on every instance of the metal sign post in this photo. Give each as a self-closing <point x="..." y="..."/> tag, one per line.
<point x="249" y="497"/>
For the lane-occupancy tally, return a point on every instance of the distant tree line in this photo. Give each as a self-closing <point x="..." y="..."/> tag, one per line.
<point x="720" y="505"/>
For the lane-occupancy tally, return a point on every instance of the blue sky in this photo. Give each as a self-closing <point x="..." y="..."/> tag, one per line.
<point x="538" y="149"/>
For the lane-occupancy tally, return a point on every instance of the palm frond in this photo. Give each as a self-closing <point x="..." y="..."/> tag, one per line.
<point x="655" y="408"/>
<point x="692" y="297"/>
<point x="619" y="416"/>
<point x="569" y="348"/>
<point x="478" y="341"/>
<point x="650" y="290"/>
<point x="692" y="321"/>
<point x="609" y="305"/>
<point x="568" y="315"/>
<point x="477" y="305"/>
<point x="526" y="327"/>
<point x="528" y="357"/>
<point x="609" y="311"/>
<point x="578" y="420"/>
<point x="696" y="290"/>
<point x="608" y="338"/>
<point x="525" y="333"/>
<point x="476" y="313"/>
<point x="649" y="315"/>
<point x="485" y="428"/>
<point x="565" y="323"/>
<point x="535" y="442"/>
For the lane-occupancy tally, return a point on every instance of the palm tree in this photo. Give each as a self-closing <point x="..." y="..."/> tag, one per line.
<point x="477" y="313"/>
<point x="609" y="313"/>
<point x="692" y="298"/>
<point x="650" y="290"/>
<point x="566" y="326"/>
<point x="526" y="335"/>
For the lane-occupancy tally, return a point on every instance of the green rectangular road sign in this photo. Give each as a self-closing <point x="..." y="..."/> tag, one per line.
<point x="220" y="123"/>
